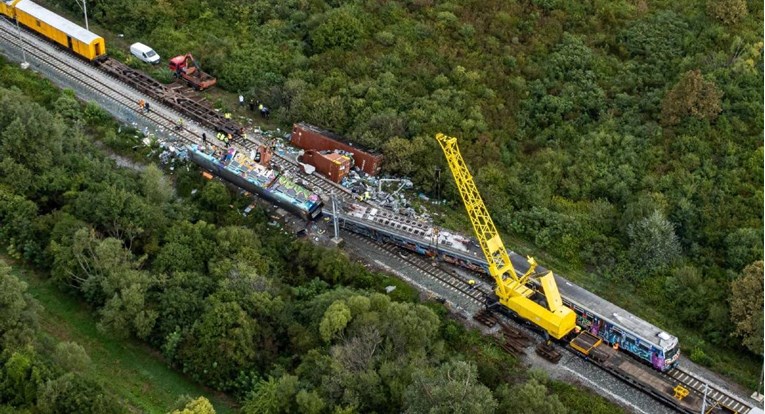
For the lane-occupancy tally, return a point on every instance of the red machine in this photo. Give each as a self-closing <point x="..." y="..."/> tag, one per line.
<point x="186" y="67"/>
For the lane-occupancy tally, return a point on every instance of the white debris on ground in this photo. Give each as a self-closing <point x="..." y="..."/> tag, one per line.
<point x="393" y="193"/>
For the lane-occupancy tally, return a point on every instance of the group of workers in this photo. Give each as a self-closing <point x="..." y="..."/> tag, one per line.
<point x="227" y="139"/>
<point x="264" y="111"/>
<point x="143" y="106"/>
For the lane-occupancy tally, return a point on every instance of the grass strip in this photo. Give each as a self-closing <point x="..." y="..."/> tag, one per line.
<point x="127" y="368"/>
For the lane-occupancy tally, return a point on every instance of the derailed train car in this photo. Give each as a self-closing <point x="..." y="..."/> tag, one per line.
<point x="74" y="37"/>
<point x="237" y="168"/>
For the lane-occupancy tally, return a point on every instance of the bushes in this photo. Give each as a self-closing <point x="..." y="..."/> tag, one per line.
<point x="341" y="29"/>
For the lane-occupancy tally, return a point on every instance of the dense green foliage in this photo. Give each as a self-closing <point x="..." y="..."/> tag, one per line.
<point x="30" y="377"/>
<point x="283" y="325"/>
<point x="128" y="370"/>
<point x="620" y="136"/>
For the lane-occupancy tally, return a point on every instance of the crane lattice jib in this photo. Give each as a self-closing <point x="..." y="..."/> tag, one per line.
<point x="485" y="231"/>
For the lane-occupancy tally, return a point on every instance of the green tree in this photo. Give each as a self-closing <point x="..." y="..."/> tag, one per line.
<point x="653" y="243"/>
<point x="156" y="187"/>
<point x="691" y="96"/>
<point x="21" y="376"/>
<point x="686" y="288"/>
<point x="222" y="343"/>
<point x="68" y="106"/>
<point x="71" y="393"/>
<point x="126" y="310"/>
<point x="452" y="388"/>
<point x="118" y="212"/>
<point x="180" y="302"/>
<point x="309" y="402"/>
<point x="215" y="196"/>
<point x="272" y="396"/>
<point x="403" y="156"/>
<point x="200" y="405"/>
<point x="656" y="38"/>
<point x="335" y="319"/>
<point x="729" y="12"/>
<point x="16" y="232"/>
<point x="410" y="327"/>
<point x="186" y="247"/>
<point x="18" y="311"/>
<point x="746" y="302"/>
<point x="239" y="245"/>
<point x="341" y="29"/>
<point x="95" y="266"/>
<point x="71" y="356"/>
<point x="530" y="397"/>
<point x="743" y="247"/>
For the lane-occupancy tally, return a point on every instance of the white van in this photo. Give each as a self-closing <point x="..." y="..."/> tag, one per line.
<point x="144" y="53"/>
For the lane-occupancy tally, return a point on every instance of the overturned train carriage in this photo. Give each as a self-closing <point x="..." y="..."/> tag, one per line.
<point x="238" y="169"/>
<point x="593" y="314"/>
<point x="77" y="39"/>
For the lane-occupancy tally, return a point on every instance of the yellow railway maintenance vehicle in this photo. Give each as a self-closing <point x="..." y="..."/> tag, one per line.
<point x="512" y="291"/>
<point x="77" y="39"/>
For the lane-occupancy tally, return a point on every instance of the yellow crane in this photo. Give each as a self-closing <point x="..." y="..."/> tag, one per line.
<point x="512" y="291"/>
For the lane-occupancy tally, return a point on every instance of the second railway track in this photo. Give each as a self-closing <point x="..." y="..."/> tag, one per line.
<point x="443" y="278"/>
<point x="122" y="93"/>
<point x="84" y="74"/>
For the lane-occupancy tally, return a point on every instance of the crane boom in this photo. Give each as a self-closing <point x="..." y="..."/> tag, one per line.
<point x="511" y="289"/>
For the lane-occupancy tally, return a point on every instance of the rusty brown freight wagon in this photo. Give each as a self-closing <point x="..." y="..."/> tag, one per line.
<point x="310" y="137"/>
<point x="333" y="166"/>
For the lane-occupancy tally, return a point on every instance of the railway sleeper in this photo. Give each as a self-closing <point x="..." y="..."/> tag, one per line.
<point x="510" y="347"/>
<point x="548" y="352"/>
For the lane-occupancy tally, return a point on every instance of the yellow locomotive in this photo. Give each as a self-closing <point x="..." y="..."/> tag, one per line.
<point x="74" y="37"/>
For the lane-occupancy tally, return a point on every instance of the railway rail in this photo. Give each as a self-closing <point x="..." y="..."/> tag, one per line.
<point x="168" y="105"/>
<point x="126" y="87"/>
<point x="438" y="275"/>
<point x="714" y="394"/>
<point x="84" y="74"/>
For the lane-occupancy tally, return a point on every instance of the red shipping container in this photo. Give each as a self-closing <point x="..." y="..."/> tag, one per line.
<point x="310" y="137"/>
<point x="334" y="166"/>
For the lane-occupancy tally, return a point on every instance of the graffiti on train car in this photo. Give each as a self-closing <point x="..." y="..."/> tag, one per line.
<point x="297" y="191"/>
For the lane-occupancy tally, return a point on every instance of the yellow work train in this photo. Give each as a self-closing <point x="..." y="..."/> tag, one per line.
<point x="50" y="25"/>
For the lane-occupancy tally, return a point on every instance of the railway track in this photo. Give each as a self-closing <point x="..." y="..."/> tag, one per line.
<point x="88" y="76"/>
<point x="123" y="94"/>
<point x="714" y="394"/>
<point x="291" y="165"/>
<point x="426" y="269"/>
<point x="444" y="278"/>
